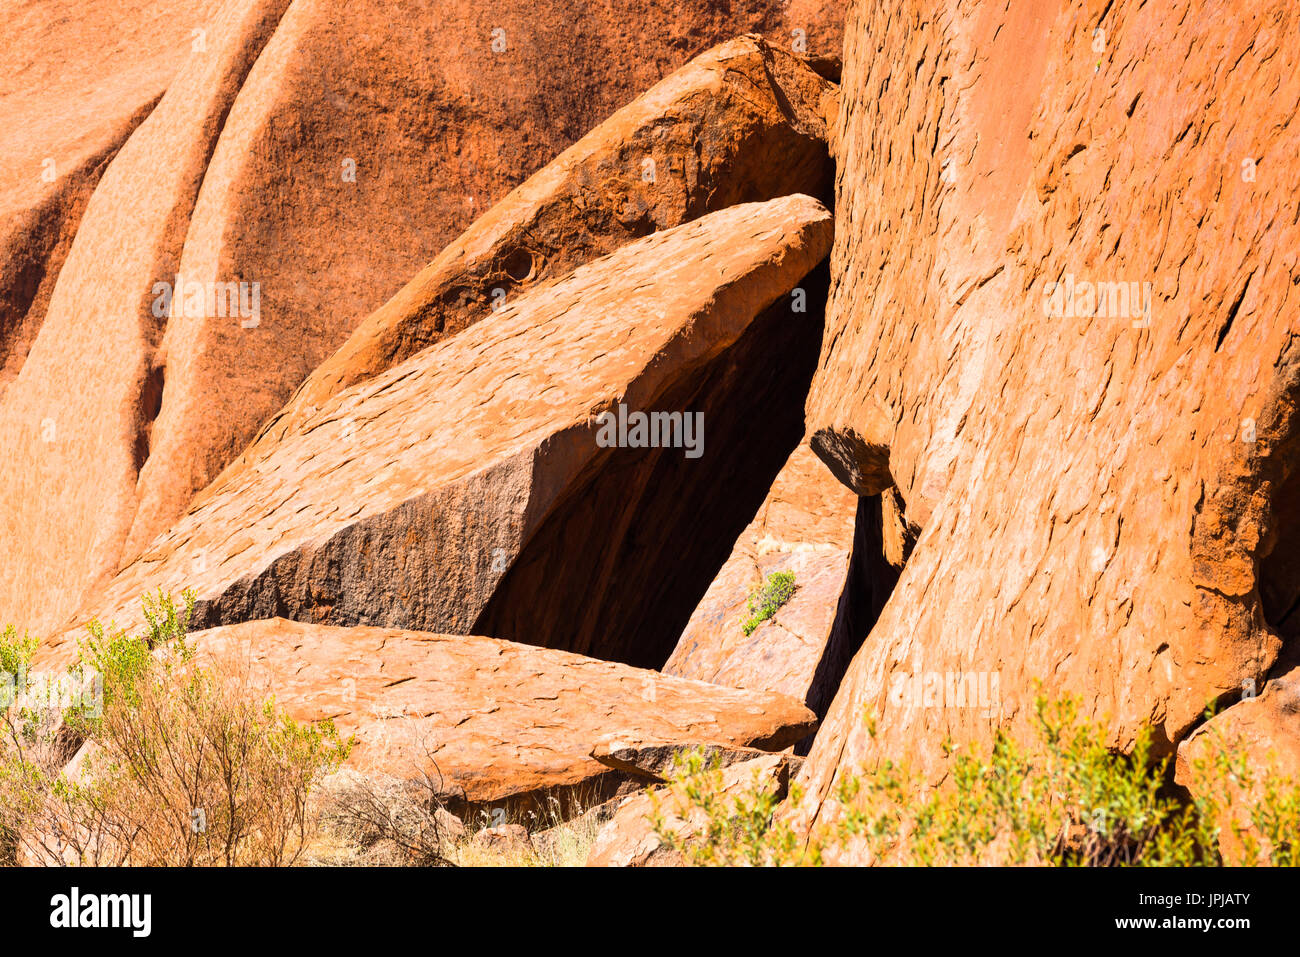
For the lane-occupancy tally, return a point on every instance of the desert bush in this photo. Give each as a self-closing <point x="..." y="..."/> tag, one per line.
<point x="708" y="826"/>
<point x="179" y="763"/>
<point x="764" y="601"/>
<point x="373" y="818"/>
<point x="1063" y="798"/>
<point x="365" y="812"/>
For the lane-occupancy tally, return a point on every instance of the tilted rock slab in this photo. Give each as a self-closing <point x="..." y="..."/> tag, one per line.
<point x="845" y="553"/>
<point x="405" y="501"/>
<point x="491" y="722"/>
<point x="743" y="122"/>
<point x="309" y="155"/>
<point x="1099" y="490"/>
<point x="804" y="526"/>
<point x="377" y="132"/>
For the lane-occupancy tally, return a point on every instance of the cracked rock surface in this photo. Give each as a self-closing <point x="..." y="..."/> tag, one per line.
<point x="1097" y="488"/>
<point x="492" y="721"/>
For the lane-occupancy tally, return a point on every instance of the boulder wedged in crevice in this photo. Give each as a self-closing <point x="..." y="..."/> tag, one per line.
<point x="844" y="553"/>
<point x="1257" y="722"/>
<point x="1279" y="569"/>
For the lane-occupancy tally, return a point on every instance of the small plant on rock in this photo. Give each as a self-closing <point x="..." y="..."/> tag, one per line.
<point x="764" y="601"/>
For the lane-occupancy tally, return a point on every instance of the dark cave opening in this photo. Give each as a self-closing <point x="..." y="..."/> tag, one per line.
<point x="870" y="581"/>
<point x="617" y="568"/>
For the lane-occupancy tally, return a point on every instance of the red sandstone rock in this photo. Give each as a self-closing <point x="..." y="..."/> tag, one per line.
<point x="76" y="78"/>
<point x="1101" y="498"/>
<point x="656" y="760"/>
<point x="1264" y="732"/>
<point x="743" y="122"/>
<point x="805" y="526"/>
<point x="438" y="112"/>
<point x="496" y="722"/>
<point x="506" y="838"/>
<point x="408" y="500"/>
<point x="75" y="423"/>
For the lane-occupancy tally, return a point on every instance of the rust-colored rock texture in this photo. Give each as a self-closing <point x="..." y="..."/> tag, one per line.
<point x="744" y="122"/>
<point x="1063" y="322"/>
<point x="231" y="187"/>
<point x="477" y="363"/>
<point x="76" y="78"/>
<point x="476" y="487"/>
<point x="491" y="722"/>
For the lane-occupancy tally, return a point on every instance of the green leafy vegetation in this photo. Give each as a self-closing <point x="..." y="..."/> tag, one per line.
<point x="764" y="601"/>
<point x="1064" y="799"/>
<point x="15" y="653"/>
<point x="178" y="763"/>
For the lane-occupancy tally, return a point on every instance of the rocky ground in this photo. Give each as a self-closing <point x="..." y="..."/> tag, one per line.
<point x="541" y="392"/>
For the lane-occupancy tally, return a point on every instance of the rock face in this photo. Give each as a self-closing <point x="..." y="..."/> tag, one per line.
<point x="76" y="78"/>
<point x="75" y="423"/>
<point x="470" y="489"/>
<point x="1101" y="488"/>
<point x="744" y="122"/>
<point x="845" y="553"/>
<point x="629" y="839"/>
<point x="497" y="723"/>
<point x="308" y="160"/>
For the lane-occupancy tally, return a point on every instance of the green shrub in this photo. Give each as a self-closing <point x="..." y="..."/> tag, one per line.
<point x="15" y="653"/>
<point x="764" y="601"/>
<point x="182" y="764"/>
<point x="1063" y="800"/>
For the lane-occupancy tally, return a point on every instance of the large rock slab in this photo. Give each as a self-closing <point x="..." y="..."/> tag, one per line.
<point x="845" y="553"/>
<point x="1100" y="489"/>
<point x="493" y="722"/>
<point x="805" y="526"/>
<point x="743" y="122"/>
<point x="383" y="130"/>
<point x="362" y="140"/>
<point x="438" y="495"/>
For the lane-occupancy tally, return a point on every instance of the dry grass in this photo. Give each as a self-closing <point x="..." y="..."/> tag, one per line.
<point x="381" y="820"/>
